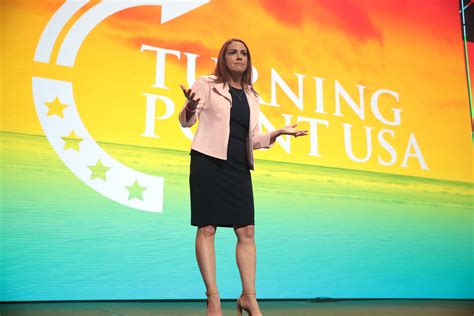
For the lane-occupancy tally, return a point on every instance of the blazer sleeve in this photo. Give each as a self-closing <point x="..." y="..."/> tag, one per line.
<point x="261" y="140"/>
<point x="200" y="89"/>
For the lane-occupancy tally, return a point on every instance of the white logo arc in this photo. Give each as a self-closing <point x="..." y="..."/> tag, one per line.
<point x="62" y="125"/>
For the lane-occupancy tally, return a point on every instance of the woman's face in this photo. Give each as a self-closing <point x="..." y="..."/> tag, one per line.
<point x="236" y="57"/>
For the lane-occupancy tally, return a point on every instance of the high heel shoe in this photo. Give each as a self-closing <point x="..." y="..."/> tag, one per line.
<point x="241" y="307"/>
<point x="209" y="294"/>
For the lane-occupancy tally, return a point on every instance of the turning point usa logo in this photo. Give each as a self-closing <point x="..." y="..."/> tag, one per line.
<point x="60" y="120"/>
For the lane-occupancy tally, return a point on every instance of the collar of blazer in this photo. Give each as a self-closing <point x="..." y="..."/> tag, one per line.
<point x="223" y="89"/>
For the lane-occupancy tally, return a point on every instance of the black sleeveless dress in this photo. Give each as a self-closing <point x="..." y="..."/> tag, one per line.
<point x="221" y="190"/>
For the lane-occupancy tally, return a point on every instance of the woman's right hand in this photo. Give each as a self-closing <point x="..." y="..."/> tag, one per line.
<point x="189" y="94"/>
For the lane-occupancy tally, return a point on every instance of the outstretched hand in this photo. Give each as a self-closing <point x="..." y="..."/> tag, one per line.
<point x="291" y="130"/>
<point x="189" y="94"/>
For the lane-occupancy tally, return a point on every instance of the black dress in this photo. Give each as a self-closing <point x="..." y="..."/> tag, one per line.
<point x="221" y="190"/>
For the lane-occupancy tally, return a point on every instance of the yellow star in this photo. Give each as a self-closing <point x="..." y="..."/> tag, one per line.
<point x="72" y="141"/>
<point x="99" y="170"/>
<point x="135" y="191"/>
<point x="56" y="107"/>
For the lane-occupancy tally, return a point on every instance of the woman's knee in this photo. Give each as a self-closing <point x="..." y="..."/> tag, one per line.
<point x="207" y="230"/>
<point x="245" y="233"/>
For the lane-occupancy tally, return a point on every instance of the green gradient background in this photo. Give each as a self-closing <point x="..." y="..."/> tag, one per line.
<point x="319" y="232"/>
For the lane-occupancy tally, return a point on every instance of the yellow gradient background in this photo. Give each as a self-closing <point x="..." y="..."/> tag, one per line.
<point x="418" y="56"/>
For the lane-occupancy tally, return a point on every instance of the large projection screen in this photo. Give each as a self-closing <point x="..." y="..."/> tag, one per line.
<point x="376" y="202"/>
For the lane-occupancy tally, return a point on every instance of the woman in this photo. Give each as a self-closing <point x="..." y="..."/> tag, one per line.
<point x="221" y="158"/>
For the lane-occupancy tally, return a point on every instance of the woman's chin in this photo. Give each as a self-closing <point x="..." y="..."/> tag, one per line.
<point x="238" y="70"/>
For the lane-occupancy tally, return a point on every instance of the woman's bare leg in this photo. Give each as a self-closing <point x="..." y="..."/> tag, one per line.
<point x="206" y="258"/>
<point x="247" y="263"/>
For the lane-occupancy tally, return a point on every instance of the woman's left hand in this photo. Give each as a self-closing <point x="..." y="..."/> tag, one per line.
<point x="291" y="130"/>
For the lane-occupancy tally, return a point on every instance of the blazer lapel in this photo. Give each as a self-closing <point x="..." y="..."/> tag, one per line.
<point x="223" y="89"/>
<point x="254" y="109"/>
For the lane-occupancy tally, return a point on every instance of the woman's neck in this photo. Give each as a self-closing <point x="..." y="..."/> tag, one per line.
<point x="236" y="80"/>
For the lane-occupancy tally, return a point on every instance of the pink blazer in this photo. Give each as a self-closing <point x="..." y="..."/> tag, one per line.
<point x="213" y="111"/>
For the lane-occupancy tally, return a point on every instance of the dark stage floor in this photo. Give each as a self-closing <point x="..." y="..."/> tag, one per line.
<point x="269" y="308"/>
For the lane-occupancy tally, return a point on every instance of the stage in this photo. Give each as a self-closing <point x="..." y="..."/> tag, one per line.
<point x="268" y="307"/>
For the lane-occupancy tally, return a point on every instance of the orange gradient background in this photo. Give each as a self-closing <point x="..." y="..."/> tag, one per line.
<point x="414" y="49"/>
